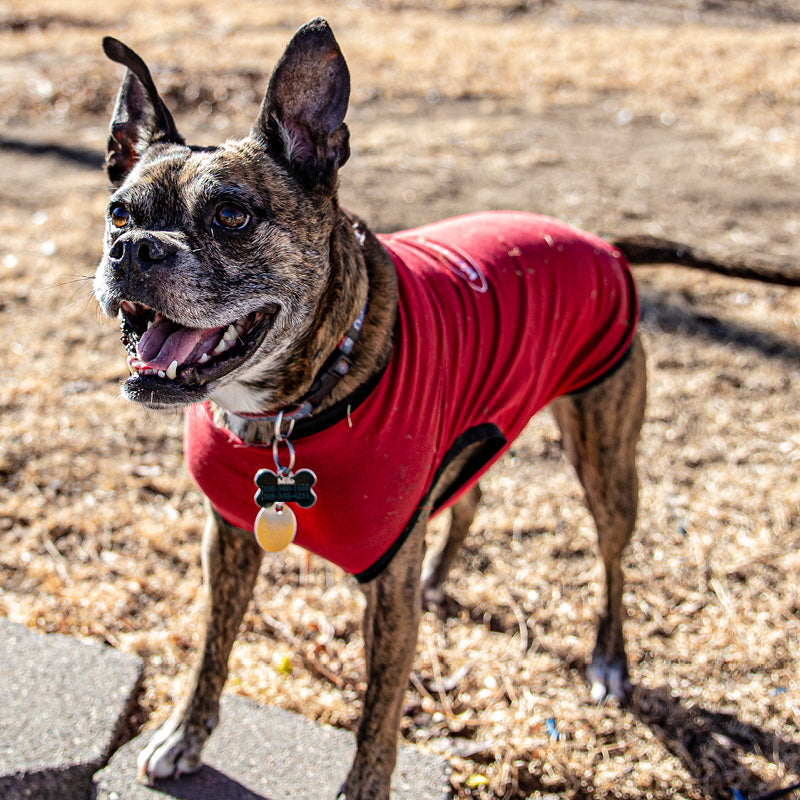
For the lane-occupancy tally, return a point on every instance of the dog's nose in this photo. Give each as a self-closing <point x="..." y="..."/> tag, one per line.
<point x="140" y="251"/>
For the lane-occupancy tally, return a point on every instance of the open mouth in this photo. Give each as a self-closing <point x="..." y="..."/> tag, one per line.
<point x="159" y="347"/>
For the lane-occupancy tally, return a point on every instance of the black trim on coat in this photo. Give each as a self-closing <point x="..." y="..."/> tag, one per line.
<point x="493" y="442"/>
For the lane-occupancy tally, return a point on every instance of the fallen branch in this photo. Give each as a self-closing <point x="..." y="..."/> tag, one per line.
<point x="653" y="250"/>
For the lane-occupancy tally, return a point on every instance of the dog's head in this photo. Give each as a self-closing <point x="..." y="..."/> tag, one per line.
<point x="216" y="259"/>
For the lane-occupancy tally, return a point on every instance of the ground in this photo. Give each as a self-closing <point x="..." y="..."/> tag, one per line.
<point x="680" y="119"/>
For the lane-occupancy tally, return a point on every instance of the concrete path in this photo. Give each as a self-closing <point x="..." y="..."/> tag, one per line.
<point x="260" y="753"/>
<point x="63" y="706"/>
<point x="63" y="709"/>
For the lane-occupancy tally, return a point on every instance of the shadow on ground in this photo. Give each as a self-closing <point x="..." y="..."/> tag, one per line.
<point x="207" y="782"/>
<point x="710" y="744"/>
<point x="80" y="156"/>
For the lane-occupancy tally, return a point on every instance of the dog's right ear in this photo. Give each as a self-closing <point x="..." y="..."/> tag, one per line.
<point x="140" y="116"/>
<point x="302" y="117"/>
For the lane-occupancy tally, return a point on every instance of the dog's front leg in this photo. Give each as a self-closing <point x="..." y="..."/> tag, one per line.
<point x="231" y="561"/>
<point x="391" y="620"/>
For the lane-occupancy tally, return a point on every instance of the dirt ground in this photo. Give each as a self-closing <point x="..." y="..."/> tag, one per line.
<point x="678" y="118"/>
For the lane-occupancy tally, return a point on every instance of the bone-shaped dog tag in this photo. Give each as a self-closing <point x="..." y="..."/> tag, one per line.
<point x="285" y="487"/>
<point x="275" y="527"/>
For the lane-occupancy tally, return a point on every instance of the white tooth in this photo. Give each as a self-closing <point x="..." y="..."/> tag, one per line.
<point x="172" y="371"/>
<point x="162" y="374"/>
<point x="150" y="324"/>
<point x="230" y="334"/>
<point x="205" y="357"/>
<point x="220" y="348"/>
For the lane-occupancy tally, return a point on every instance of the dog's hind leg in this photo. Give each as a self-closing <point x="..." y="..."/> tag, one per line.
<point x="600" y="429"/>
<point x="231" y="561"/>
<point x="439" y="560"/>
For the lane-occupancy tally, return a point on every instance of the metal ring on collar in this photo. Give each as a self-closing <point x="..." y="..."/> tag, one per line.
<point x="282" y="471"/>
<point x="279" y="434"/>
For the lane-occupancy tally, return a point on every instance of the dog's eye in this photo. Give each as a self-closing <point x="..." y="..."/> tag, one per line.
<point x="231" y="217"/>
<point x="120" y="217"/>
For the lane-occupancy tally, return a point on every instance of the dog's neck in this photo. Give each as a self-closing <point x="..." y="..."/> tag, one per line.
<point x="362" y="278"/>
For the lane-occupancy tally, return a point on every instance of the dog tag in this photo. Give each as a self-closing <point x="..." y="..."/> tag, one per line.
<point x="284" y="486"/>
<point x="275" y="527"/>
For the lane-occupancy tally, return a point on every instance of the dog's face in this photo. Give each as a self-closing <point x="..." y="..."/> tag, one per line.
<point x="215" y="259"/>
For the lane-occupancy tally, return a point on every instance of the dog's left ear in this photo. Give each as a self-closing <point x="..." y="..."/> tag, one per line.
<point x="302" y="117"/>
<point x="140" y="117"/>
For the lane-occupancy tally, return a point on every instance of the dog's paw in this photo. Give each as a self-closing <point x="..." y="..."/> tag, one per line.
<point x="174" y="750"/>
<point x="609" y="680"/>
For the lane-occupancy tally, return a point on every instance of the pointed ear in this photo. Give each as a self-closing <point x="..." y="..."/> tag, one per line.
<point x="302" y="117"/>
<point x="140" y="117"/>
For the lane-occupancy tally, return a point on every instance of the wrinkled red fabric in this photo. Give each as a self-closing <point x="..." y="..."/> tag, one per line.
<point x="499" y="313"/>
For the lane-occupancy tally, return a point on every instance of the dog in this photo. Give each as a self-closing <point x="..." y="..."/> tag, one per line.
<point x="380" y="375"/>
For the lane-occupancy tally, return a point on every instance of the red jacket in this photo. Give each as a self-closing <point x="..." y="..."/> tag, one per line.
<point x="499" y="313"/>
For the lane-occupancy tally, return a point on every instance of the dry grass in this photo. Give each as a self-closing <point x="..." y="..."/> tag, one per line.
<point x="740" y="78"/>
<point x="100" y="523"/>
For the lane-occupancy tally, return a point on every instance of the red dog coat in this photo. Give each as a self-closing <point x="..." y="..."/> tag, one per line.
<point x="499" y="313"/>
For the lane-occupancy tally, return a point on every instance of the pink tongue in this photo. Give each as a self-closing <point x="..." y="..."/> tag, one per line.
<point x="166" y="341"/>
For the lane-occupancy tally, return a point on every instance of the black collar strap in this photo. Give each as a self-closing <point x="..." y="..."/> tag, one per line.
<point x="333" y="370"/>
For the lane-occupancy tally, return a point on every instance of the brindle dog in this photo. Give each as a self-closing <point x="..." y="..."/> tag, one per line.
<point x="189" y="231"/>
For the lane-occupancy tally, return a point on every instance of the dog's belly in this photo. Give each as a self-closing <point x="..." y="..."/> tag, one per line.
<point x="500" y="313"/>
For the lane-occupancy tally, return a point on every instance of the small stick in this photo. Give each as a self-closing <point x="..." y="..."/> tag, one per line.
<point x="60" y="561"/>
<point x="521" y="623"/>
<point x="437" y="674"/>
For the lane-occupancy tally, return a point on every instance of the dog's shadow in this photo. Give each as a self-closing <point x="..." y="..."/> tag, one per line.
<point x="712" y="746"/>
<point x="206" y="784"/>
